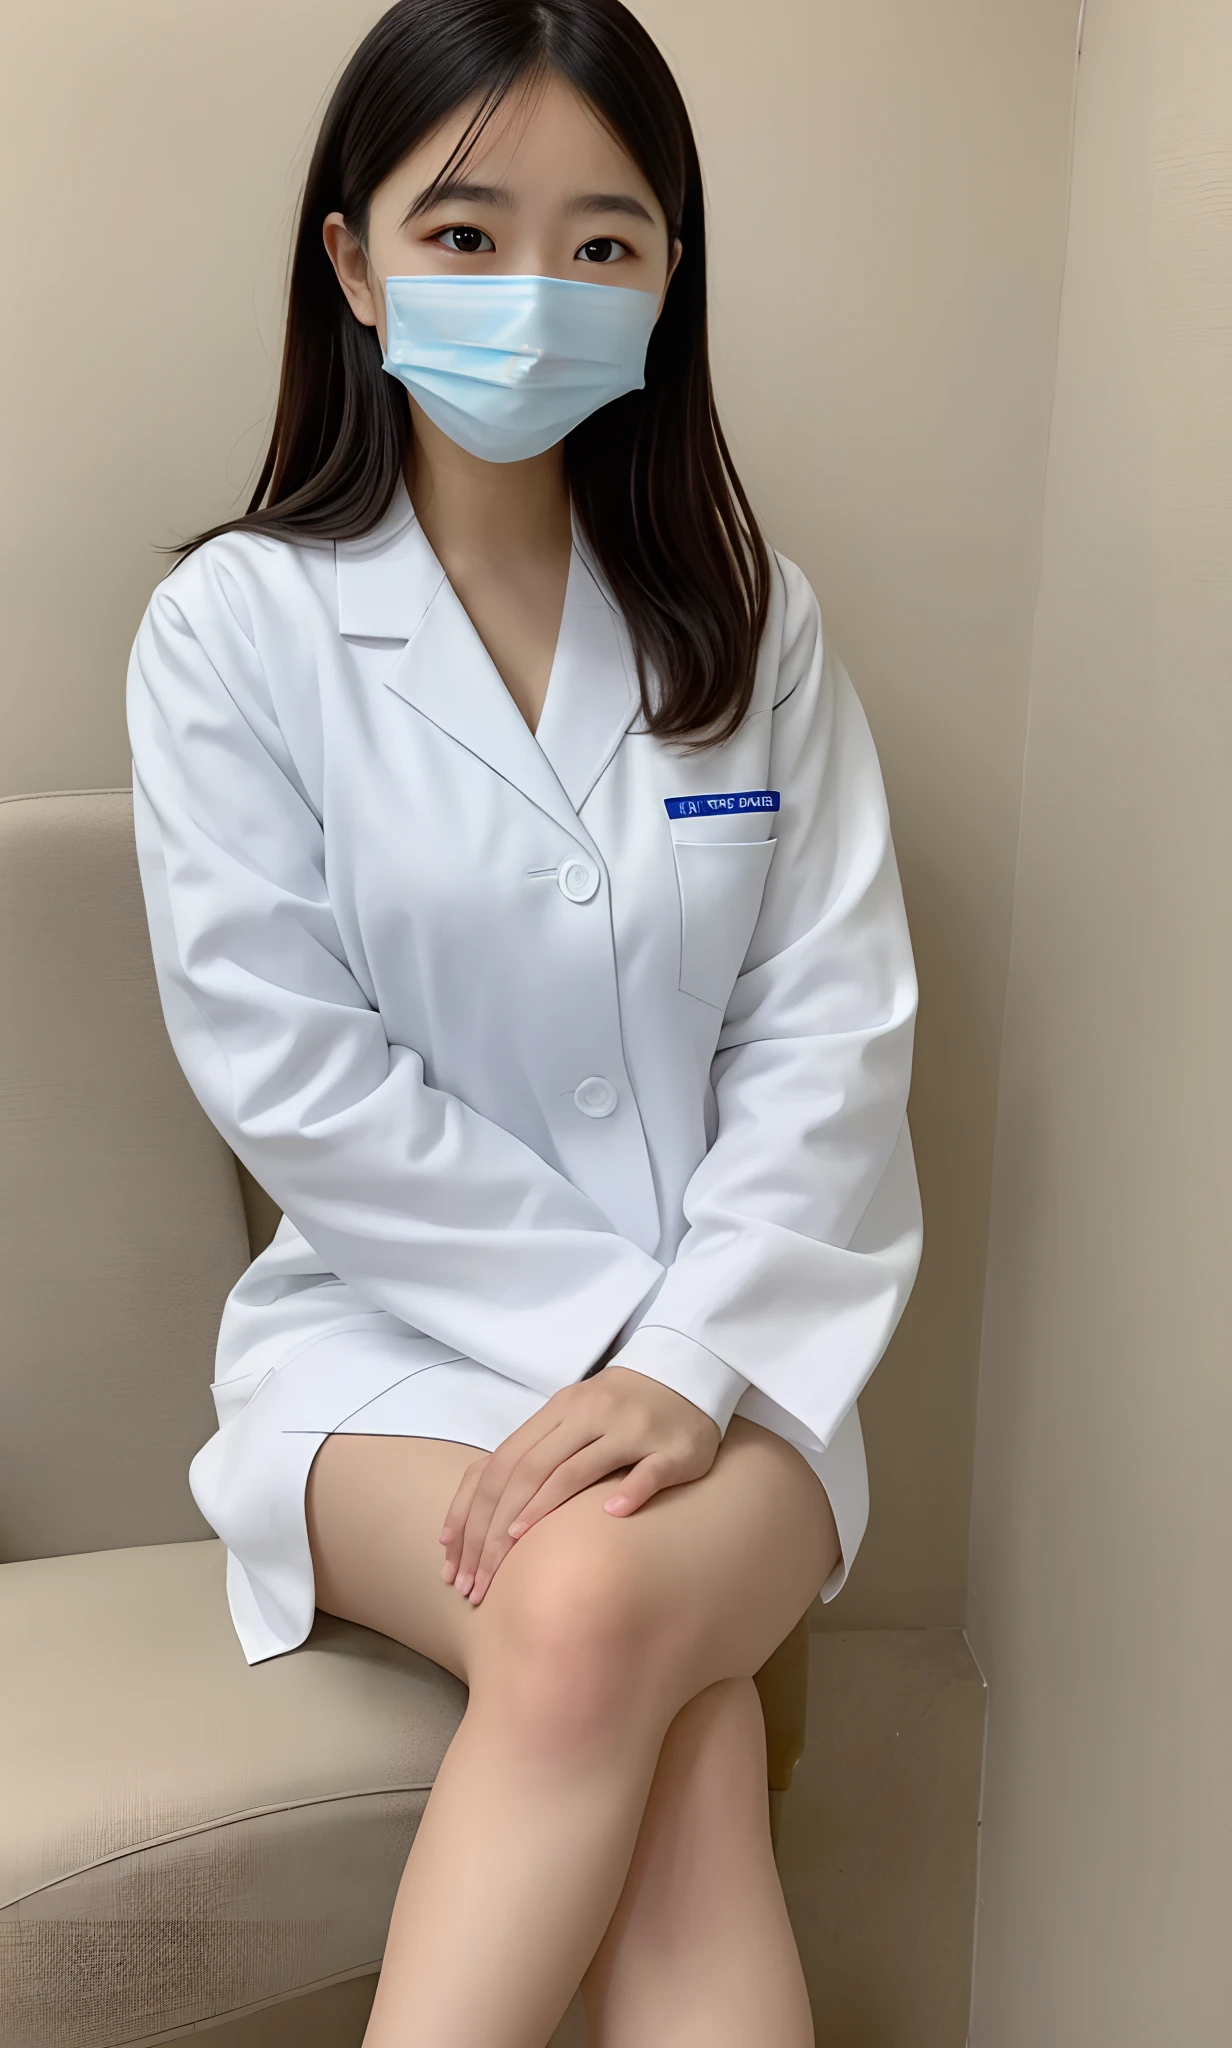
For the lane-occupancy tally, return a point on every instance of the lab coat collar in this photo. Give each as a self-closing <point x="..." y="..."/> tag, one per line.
<point x="391" y="586"/>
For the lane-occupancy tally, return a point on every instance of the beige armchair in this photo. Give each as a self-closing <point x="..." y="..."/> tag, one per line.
<point x="183" y="1837"/>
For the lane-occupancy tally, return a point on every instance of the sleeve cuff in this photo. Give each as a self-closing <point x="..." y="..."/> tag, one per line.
<point x="680" y="1362"/>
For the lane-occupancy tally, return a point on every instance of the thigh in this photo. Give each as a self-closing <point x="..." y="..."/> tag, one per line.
<point x="717" y="1570"/>
<point x="374" y="1508"/>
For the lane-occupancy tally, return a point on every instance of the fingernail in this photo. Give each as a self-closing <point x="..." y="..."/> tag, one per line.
<point x="448" y="1569"/>
<point x="516" y="1528"/>
<point x="620" y="1500"/>
<point x="464" y="1581"/>
<point x="480" y="1587"/>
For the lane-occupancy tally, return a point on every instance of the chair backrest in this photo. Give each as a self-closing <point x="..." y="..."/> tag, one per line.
<point x="122" y="1219"/>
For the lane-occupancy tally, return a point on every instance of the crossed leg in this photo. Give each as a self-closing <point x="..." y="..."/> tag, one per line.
<point x="600" y="1815"/>
<point x="699" y="1952"/>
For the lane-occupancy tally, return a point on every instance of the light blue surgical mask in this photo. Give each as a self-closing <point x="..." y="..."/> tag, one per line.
<point x="507" y="366"/>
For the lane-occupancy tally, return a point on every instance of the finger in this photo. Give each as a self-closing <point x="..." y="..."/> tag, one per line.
<point x="455" y="1519"/>
<point x="488" y="1520"/>
<point x="459" y="1506"/>
<point x="593" y="1462"/>
<point x="474" y="1530"/>
<point x="525" y="1482"/>
<point x="453" y="1533"/>
<point x="648" y="1477"/>
<point x="479" y="1516"/>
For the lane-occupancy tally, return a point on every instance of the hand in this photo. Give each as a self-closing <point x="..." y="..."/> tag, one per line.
<point x="619" y="1421"/>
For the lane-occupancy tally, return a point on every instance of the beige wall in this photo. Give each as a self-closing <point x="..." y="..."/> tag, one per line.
<point x="888" y="210"/>
<point x="1102" y="1530"/>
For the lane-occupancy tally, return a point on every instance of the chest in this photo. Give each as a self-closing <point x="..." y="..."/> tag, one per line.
<point x="473" y="861"/>
<point x="478" y="872"/>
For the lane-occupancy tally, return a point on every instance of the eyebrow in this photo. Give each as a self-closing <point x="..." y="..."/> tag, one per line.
<point x="610" y="202"/>
<point x="455" y="189"/>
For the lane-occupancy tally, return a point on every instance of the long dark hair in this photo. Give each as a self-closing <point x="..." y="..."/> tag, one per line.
<point x="650" y="475"/>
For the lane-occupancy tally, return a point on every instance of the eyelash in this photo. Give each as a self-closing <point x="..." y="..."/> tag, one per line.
<point x="461" y="227"/>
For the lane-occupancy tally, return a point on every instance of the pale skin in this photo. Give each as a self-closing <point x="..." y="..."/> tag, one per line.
<point x="613" y="1573"/>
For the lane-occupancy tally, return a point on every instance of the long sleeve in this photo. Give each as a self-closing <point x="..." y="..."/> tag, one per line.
<point x="424" y="1207"/>
<point x="804" y="1225"/>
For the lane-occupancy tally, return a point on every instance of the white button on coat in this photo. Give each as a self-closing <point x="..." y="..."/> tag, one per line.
<point x="340" y="814"/>
<point x="578" y="881"/>
<point x="595" y="1096"/>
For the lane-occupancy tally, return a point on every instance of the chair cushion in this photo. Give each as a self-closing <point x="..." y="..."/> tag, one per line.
<point x="184" y="1833"/>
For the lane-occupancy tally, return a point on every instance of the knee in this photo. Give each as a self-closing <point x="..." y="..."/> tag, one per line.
<point x="576" y="1654"/>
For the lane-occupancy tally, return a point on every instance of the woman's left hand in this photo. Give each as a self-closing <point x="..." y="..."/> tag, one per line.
<point x="619" y="1419"/>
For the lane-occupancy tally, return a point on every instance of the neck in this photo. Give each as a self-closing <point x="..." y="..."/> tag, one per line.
<point x="475" y="511"/>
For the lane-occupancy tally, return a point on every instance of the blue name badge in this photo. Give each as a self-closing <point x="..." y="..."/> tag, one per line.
<point x="722" y="805"/>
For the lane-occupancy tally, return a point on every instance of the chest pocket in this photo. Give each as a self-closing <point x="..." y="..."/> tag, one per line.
<point x="721" y="869"/>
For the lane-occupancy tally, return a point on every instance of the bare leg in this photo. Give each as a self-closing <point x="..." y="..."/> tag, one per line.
<point x="593" y="1635"/>
<point x="699" y="1952"/>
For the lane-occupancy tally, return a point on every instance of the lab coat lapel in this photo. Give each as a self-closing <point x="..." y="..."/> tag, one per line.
<point x="391" y="586"/>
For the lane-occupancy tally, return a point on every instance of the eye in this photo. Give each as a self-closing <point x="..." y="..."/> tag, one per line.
<point x="465" y="241"/>
<point x="602" y="250"/>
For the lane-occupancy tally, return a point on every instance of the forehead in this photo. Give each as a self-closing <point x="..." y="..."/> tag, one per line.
<point x="544" y="137"/>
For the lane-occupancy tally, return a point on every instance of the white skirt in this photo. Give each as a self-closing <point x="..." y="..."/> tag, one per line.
<point x="369" y="1375"/>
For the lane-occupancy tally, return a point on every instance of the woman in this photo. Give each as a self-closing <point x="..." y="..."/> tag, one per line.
<point x="526" y="918"/>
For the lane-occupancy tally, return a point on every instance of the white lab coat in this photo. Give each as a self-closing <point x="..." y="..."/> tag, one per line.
<point x="526" y="1061"/>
